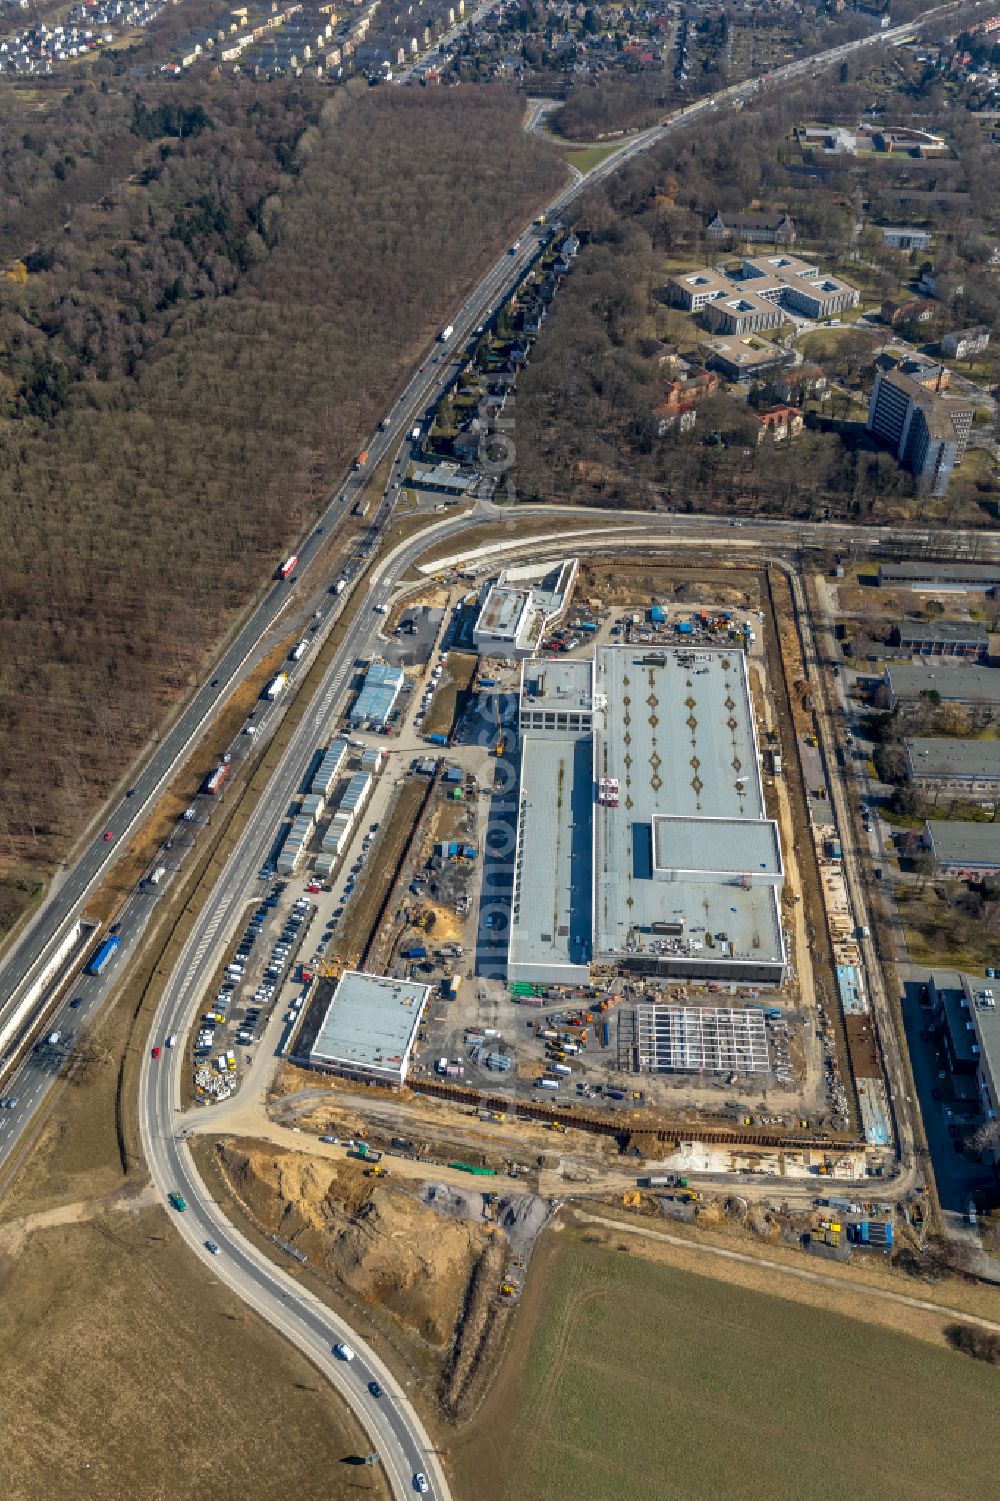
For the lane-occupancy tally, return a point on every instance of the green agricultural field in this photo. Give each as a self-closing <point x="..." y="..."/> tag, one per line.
<point x="643" y="1382"/>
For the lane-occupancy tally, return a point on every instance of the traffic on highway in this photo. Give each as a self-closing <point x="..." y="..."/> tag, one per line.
<point x="369" y="1387"/>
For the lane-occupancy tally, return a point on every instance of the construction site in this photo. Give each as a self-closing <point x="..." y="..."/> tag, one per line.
<point x="583" y="899"/>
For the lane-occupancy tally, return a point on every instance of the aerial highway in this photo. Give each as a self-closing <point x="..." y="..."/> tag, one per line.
<point x="395" y="1429"/>
<point x="66" y="901"/>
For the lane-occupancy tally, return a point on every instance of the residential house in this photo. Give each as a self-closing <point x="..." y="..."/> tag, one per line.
<point x="793" y="386"/>
<point x="780" y="422"/>
<point x="964" y="344"/>
<point x="670" y="417"/>
<point x="905" y="239"/>
<point x="910" y="310"/>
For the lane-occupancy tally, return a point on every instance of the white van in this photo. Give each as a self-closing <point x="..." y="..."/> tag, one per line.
<point x="172" y="1040"/>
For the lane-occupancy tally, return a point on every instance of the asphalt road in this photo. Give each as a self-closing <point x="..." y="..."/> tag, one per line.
<point x="396" y="1431"/>
<point x="66" y="902"/>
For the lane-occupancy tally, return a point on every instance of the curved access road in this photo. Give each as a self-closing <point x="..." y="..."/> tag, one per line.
<point x="62" y="907"/>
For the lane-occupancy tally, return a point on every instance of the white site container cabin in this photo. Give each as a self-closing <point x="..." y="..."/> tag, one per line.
<point x="325" y="777"/>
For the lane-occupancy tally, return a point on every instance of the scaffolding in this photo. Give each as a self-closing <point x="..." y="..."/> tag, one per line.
<point x="701" y="1040"/>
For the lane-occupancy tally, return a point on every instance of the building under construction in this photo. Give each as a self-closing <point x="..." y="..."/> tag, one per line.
<point x="642" y="836"/>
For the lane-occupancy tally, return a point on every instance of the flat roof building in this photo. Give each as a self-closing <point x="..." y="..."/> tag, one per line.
<point x="972" y="1032"/>
<point x="798" y="285"/>
<point x="694" y="290"/>
<point x="557" y="696"/>
<point x="926" y="431"/>
<point x="445" y="478"/>
<point x="943" y="638"/>
<point x="642" y="837"/>
<point x="370" y="1027"/>
<point x="687" y="866"/>
<point x="738" y="305"/>
<point x="521" y="606"/>
<point x="959" y="684"/>
<point x="935" y="578"/>
<point x="968" y="768"/>
<point x="967" y="850"/>
<point x="377" y="699"/>
<point x="742" y="312"/>
<point x="745" y="358"/>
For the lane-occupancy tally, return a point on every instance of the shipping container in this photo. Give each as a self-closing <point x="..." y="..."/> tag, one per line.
<point x="477" y="1172"/>
<point x="546" y="1084"/>
<point x="437" y="739"/>
<point x="415" y="951"/>
<point x="103" y="955"/>
<point x="657" y="614"/>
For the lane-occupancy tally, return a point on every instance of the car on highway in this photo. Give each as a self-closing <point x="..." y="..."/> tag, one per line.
<point x="156" y="1053"/>
<point x="374" y="1388"/>
<point x="10" y="1103"/>
<point x="420" y="1483"/>
<point x="109" y="835"/>
<point x="343" y="1351"/>
<point x="76" y="1002"/>
<point x="212" y="1247"/>
<point x="178" y="1201"/>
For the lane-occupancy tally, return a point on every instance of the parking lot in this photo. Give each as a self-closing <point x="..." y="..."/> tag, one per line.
<point x="236" y="1014"/>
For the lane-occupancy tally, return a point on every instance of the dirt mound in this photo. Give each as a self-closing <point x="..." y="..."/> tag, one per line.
<point x="375" y="1237"/>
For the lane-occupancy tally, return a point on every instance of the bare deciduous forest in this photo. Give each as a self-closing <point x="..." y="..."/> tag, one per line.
<point x="211" y="294"/>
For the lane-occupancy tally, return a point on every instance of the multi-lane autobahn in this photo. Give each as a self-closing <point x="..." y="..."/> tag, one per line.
<point x="390" y="1420"/>
<point x="67" y="900"/>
